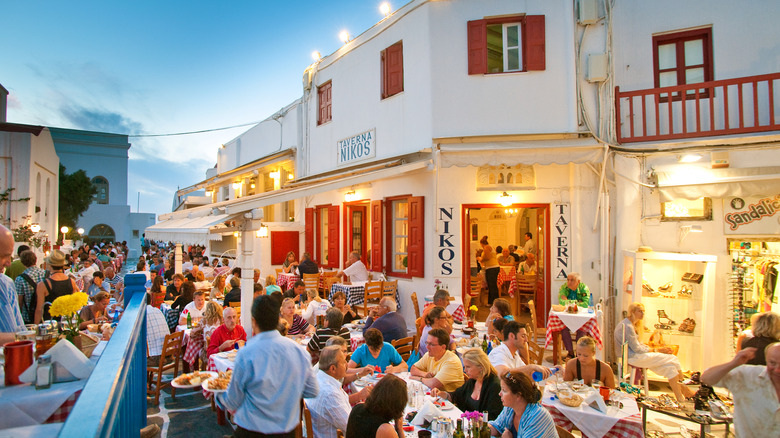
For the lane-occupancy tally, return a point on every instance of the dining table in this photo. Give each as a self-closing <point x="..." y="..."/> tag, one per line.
<point x="355" y="293"/>
<point x="583" y="319"/>
<point x="621" y="419"/>
<point x="286" y="281"/>
<point x="454" y="308"/>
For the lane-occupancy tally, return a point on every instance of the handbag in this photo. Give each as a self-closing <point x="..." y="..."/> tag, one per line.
<point x="657" y="341"/>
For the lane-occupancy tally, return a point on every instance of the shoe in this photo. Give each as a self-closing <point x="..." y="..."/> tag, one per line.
<point x="685" y="292"/>
<point x="687" y="326"/>
<point x="665" y="288"/>
<point x="719" y="411"/>
<point x="700" y="405"/>
<point x="693" y="380"/>
<point x="648" y="290"/>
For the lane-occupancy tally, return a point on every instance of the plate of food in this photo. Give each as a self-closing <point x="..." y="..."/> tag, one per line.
<point x="442" y="404"/>
<point x="218" y="383"/>
<point x="192" y="380"/>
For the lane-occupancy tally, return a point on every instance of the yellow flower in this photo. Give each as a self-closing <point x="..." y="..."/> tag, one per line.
<point x="68" y="305"/>
<point x="473" y="308"/>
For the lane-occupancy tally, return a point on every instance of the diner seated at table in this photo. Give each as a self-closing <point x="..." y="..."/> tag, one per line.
<point x="495" y="330"/>
<point x="270" y="285"/>
<point x="234" y="296"/>
<point x="98" y="285"/>
<point x="441" y="298"/>
<point x="330" y="408"/>
<point x="234" y="273"/>
<point x="95" y="313"/>
<point x="114" y="281"/>
<point x="500" y="309"/>
<point x="270" y="376"/>
<point x="212" y="319"/>
<point x="352" y="373"/>
<point x="307" y="265"/>
<point x="186" y="297"/>
<point x="58" y="284"/>
<point x="157" y="286"/>
<point x="386" y="403"/>
<point x="315" y="306"/>
<point x="194" y="309"/>
<point x="505" y="259"/>
<point x="218" y="287"/>
<point x="439" y="367"/>
<point x="522" y="416"/>
<point x="437" y="318"/>
<point x="509" y="355"/>
<point x="296" y="325"/>
<point x="573" y="290"/>
<point x="225" y="336"/>
<point x="377" y="353"/>
<point x="295" y="292"/>
<point x="87" y="270"/>
<point x="340" y="302"/>
<point x="586" y="367"/>
<point x="387" y="320"/>
<point x="332" y="327"/>
<point x="355" y="269"/>
<point x="528" y="267"/>
<point x="201" y="283"/>
<point x="290" y="263"/>
<point x="150" y="280"/>
<point x="174" y="287"/>
<point x="156" y="331"/>
<point x="481" y="392"/>
<point x="257" y="290"/>
<point x="659" y="360"/>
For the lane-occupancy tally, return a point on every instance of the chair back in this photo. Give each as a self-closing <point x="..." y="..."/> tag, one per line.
<point x="329" y="282"/>
<point x="279" y="271"/>
<point x="327" y="274"/>
<point x="390" y="288"/>
<point x="416" y="305"/>
<point x="237" y="306"/>
<point x="535" y="352"/>
<point x="339" y="433"/>
<point x="419" y="324"/>
<point x="526" y="282"/>
<point x="372" y="294"/>
<point x="474" y="292"/>
<point x="404" y="346"/>
<point x="157" y="299"/>
<point x="312" y="281"/>
<point x="306" y="414"/>
<point x="171" y="347"/>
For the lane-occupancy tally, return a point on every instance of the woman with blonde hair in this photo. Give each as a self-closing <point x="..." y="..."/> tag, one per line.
<point x="481" y="390"/>
<point x="218" y="287"/>
<point x="290" y="263"/>
<point x="316" y="307"/>
<point x="586" y="367"/>
<point x="296" y="325"/>
<point x="659" y="360"/>
<point x="270" y="285"/>
<point x="766" y="330"/>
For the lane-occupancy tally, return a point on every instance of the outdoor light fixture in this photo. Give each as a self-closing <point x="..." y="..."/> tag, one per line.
<point x="208" y="192"/>
<point x="237" y="185"/>
<point x="252" y="185"/>
<point x="290" y="176"/>
<point x="505" y="199"/>
<point x="64" y="229"/>
<point x="80" y="231"/>
<point x="344" y="36"/>
<point x="689" y="158"/>
<point x="315" y="55"/>
<point x="35" y="228"/>
<point x="274" y="174"/>
<point x="235" y="233"/>
<point x="350" y="196"/>
<point x="384" y="8"/>
<point x="262" y="231"/>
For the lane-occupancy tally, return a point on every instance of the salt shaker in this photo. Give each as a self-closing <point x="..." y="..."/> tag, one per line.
<point x="44" y="372"/>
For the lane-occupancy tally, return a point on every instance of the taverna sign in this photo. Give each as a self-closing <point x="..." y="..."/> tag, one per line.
<point x="356" y="148"/>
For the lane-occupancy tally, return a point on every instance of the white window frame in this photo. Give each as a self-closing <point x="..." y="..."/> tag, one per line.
<point x="518" y="47"/>
<point x="396" y="221"/>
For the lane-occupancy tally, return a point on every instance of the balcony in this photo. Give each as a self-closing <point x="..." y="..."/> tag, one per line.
<point x="731" y="106"/>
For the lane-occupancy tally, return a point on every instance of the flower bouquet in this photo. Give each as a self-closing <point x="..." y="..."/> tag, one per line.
<point x="472" y="315"/>
<point x="67" y="307"/>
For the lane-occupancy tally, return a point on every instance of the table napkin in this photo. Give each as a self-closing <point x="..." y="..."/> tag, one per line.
<point x="591" y="422"/>
<point x="427" y="413"/>
<point x="69" y="362"/>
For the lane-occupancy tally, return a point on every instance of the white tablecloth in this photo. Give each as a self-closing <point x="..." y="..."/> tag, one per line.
<point x="591" y="422"/>
<point x="574" y="321"/>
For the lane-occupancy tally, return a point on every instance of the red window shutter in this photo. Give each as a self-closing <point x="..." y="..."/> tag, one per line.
<point x="333" y="236"/>
<point x="393" y="70"/>
<point x="376" y="236"/>
<point x="477" y="51"/>
<point x="416" y="248"/>
<point x="283" y="242"/>
<point x="324" y="97"/>
<point x="308" y="240"/>
<point x="534" y="43"/>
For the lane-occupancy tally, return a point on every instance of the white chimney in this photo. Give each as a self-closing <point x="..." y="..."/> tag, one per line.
<point x="3" y="104"/>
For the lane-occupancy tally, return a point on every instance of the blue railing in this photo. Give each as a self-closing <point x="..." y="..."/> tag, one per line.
<point x="113" y="402"/>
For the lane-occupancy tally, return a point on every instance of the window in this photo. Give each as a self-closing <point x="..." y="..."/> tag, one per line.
<point x="101" y="184"/>
<point x="322" y="234"/>
<point x="404" y="236"/>
<point x="685" y="210"/>
<point x="507" y="44"/>
<point x="683" y="58"/>
<point x="324" y="99"/>
<point x="392" y="70"/>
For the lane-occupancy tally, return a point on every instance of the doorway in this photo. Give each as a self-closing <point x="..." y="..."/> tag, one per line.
<point x="356" y="226"/>
<point x="508" y="225"/>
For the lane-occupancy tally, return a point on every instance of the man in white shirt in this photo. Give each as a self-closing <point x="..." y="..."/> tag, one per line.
<point x="756" y="391"/>
<point x="355" y="269"/>
<point x="330" y="409"/>
<point x="507" y="357"/>
<point x="530" y="246"/>
<point x="186" y="263"/>
<point x="195" y="309"/>
<point x="87" y="270"/>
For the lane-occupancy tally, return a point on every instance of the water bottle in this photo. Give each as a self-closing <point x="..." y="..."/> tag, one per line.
<point x="537" y="376"/>
<point x="590" y="303"/>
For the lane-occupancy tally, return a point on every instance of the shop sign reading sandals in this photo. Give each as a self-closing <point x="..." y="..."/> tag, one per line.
<point x="754" y="216"/>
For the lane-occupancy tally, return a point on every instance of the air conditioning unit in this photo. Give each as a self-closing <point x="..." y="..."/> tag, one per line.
<point x="587" y="11"/>
<point x="597" y="67"/>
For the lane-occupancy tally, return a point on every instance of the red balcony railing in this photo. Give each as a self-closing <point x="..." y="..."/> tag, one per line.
<point x="731" y="106"/>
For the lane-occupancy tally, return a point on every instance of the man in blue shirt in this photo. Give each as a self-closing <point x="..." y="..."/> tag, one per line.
<point x="271" y="375"/>
<point x="10" y="315"/>
<point x="385" y="319"/>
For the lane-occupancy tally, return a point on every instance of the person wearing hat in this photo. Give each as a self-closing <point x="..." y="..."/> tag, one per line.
<point x="57" y="285"/>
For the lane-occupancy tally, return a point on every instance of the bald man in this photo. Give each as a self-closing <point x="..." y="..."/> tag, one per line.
<point x="10" y="315"/>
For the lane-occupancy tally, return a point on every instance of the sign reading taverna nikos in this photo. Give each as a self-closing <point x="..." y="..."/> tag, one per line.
<point x="356" y="148"/>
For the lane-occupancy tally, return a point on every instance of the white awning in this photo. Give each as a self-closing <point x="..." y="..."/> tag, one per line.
<point x="191" y="231"/>
<point x="512" y="153"/>
<point x="694" y="183"/>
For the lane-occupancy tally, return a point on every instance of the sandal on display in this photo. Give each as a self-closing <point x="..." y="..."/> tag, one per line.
<point x="687" y="326"/>
<point x="648" y="290"/>
<point x="662" y="315"/>
<point x="665" y="288"/>
<point x="685" y="292"/>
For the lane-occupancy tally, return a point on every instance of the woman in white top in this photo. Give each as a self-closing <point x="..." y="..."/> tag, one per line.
<point x="316" y="307"/>
<point x="659" y="360"/>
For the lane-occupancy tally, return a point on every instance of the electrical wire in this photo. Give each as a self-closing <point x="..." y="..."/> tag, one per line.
<point x="194" y="132"/>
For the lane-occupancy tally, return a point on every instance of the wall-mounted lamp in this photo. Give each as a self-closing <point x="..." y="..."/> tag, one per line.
<point x="237" y="185"/>
<point x="384" y="8"/>
<point x="252" y="185"/>
<point x="262" y="231"/>
<point x="274" y="174"/>
<point x="344" y="36"/>
<point x="315" y="55"/>
<point x="685" y="229"/>
<point x="350" y="196"/>
<point x="208" y="192"/>
<point x="505" y="199"/>
<point x="689" y="158"/>
<point x="235" y="233"/>
<point x="290" y="176"/>
<point x="35" y="228"/>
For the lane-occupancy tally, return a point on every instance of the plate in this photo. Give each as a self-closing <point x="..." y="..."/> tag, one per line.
<point x="178" y="386"/>
<point x="445" y="404"/>
<point x="205" y="387"/>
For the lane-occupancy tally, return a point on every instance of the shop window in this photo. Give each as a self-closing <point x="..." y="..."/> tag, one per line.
<point x="324" y="101"/>
<point x="404" y="236"/>
<point x="506" y="44"/>
<point x="684" y="209"/>
<point x="322" y="234"/>
<point x="392" y="60"/>
<point x="683" y="58"/>
<point x="101" y="184"/>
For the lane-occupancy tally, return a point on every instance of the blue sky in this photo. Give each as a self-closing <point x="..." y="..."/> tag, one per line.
<point x="157" y="67"/>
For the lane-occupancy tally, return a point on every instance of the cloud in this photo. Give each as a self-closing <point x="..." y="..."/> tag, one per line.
<point x="99" y="120"/>
<point x="13" y="102"/>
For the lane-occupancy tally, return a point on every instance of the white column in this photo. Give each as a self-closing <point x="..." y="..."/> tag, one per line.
<point x="245" y="245"/>
<point x="177" y="259"/>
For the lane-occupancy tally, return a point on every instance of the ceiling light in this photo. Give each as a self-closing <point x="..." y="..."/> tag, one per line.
<point x="274" y="174"/>
<point x="236" y="185"/>
<point x="505" y="199"/>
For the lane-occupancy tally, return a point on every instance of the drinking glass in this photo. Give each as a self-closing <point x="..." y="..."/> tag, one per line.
<point x="596" y="384"/>
<point x="24" y="333"/>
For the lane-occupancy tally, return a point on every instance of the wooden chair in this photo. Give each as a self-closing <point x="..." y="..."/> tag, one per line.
<point x="508" y="272"/>
<point x="416" y="305"/>
<point x="563" y="433"/>
<point x="312" y="281"/>
<point x="169" y="359"/>
<point x="157" y="299"/>
<point x="372" y="295"/>
<point x="535" y="352"/>
<point x="279" y="271"/>
<point x="307" y="419"/>
<point x="419" y="324"/>
<point x="404" y="346"/>
<point x="537" y="331"/>
<point x="236" y="306"/>
<point x="474" y="292"/>
<point x="390" y="288"/>
<point x="526" y="289"/>
<point x="339" y="433"/>
<point x="328" y="284"/>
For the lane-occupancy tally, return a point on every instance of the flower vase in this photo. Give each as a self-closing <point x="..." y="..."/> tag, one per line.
<point x="471" y="322"/>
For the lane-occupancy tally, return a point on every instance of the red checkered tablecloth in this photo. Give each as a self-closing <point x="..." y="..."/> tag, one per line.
<point x="194" y="347"/>
<point x="61" y="414"/>
<point x="626" y="427"/>
<point x="554" y="324"/>
<point x="506" y="275"/>
<point x="512" y="286"/>
<point x="286" y="281"/>
<point x="356" y="341"/>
